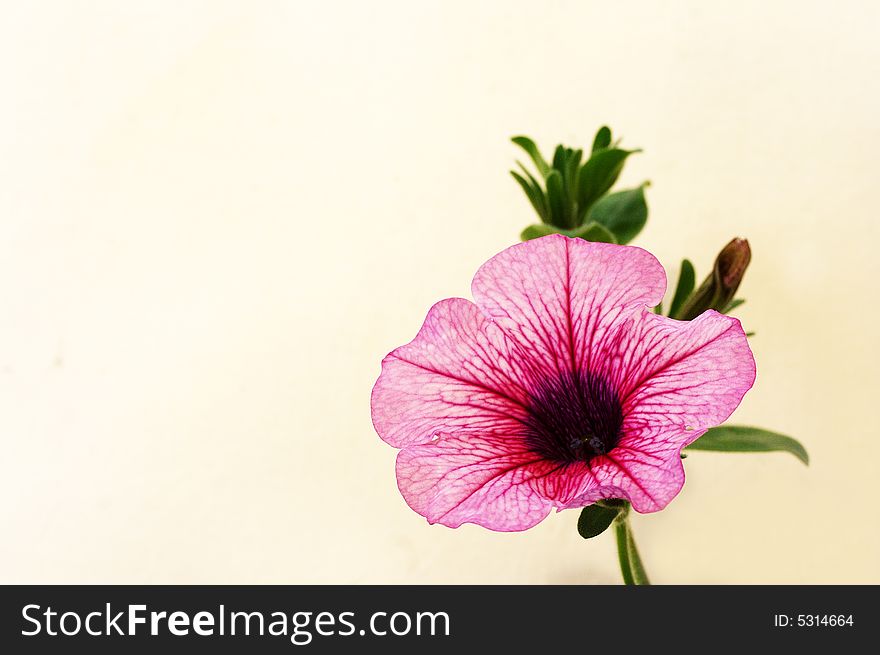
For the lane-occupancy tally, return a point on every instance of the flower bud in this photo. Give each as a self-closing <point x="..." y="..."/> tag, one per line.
<point x="718" y="289"/>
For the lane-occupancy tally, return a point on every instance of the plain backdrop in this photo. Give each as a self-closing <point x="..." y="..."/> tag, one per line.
<point x="216" y="218"/>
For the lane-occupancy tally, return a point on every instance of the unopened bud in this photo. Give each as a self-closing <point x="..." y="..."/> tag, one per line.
<point x="718" y="289"/>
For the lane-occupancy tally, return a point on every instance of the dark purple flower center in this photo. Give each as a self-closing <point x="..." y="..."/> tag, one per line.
<point x="573" y="418"/>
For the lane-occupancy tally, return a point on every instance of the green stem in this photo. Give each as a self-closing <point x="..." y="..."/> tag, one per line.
<point x="620" y="530"/>
<point x="630" y="562"/>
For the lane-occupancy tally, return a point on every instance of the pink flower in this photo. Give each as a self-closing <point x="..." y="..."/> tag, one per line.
<point x="558" y="388"/>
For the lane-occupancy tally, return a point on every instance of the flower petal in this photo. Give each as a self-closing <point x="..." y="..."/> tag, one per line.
<point x="560" y="298"/>
<point x="456" y="376"/>
<point x="675" y="379"/>
<point x="456" y="397"/>
<point x="689" y="375"/>
<point x="462" y="479"/>
<point x="649" y="477"/>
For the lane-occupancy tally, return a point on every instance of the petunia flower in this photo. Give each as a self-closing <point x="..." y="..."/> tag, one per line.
<point x="557" y="388"/>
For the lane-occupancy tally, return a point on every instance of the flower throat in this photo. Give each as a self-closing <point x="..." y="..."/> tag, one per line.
<point x="573" y="418"/>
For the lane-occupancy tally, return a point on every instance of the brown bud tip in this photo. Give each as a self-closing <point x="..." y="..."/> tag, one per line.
<point x="731" y="265"/>
<point x="719" y="287"/>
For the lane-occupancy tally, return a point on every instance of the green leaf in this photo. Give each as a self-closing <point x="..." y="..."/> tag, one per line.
<point x="624" y="213"/>
<point x="593" y="232"/>
<point x="559" y="214"/>
<point x="603" y="138"/>
<point x="534" y="193"/>
<point x="529" y="146"/>
<point x="595" y="519"/>
<point x="569" y="175"/>
<point x="733" y="304"/>
<point x="539" y="230"/>
<point x="687" y="278"/>
<point x="597" y="175"/>
<point x="750" y="334"/>
<point x="743" y="439"/>
<point x="560" y="157"/>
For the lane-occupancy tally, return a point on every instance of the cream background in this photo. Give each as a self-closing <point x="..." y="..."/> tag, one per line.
<point x="216" y="218"/>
